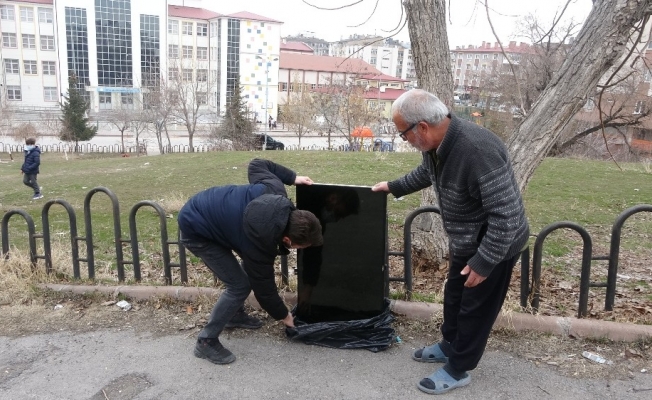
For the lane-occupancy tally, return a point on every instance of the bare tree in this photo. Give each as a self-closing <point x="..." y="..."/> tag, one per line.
<point x="299" y="110"/>
<point x="191" y="84"/>
<point x="159" y="102"/>
<point x="343" y="107"/>
<point x="6" y="125"/>
<point x="122" y="119"/>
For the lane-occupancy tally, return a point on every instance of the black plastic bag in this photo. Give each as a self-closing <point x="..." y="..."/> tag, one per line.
<point x="374" y="334"/>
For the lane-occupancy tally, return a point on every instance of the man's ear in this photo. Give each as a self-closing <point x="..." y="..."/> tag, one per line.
<point x="287" y="242"/>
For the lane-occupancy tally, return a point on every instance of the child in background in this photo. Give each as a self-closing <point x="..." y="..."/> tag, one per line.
<point x="30" y="167"/>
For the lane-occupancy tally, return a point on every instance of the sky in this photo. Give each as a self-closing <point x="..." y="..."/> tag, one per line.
<point x="467" y="18"/>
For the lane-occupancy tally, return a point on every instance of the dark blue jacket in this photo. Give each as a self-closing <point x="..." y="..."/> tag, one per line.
<point x="250" y="220"/>
<point x="32" y="161"/>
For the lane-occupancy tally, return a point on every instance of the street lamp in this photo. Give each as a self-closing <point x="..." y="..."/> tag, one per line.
<point x="268" y="62"/>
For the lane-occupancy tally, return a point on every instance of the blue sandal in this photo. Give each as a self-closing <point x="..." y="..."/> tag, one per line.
<point x="430" y="354"/>
<point x="440" y="382"/>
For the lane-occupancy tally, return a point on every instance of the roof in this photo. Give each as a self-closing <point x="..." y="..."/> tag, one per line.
<point x="308" y="62"/>
<point x="50" y="2"/>
<point x="382" y="77"/>
<point x="388" y="94"/>
<point x="191" y="12"/>
<point x="296" y="46"/>
<point x="252" y="17"/>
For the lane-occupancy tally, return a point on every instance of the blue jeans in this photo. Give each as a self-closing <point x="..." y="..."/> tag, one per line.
<point x="226" y="267"/>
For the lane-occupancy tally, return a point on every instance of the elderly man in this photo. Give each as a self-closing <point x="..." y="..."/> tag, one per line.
<point x="483" y="216"/>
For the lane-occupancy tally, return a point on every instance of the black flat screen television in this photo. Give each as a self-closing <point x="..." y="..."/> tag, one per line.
<point x="346" y="278"/>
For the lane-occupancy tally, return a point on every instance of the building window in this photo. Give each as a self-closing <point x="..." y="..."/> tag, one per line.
<point x="29" y="41"/>
<point x="202" y="75"/>
<point x="77" y="49"/>
<point x="13" y="93"/>
<point x="202" y="53"/>
<point x="485" y="56"/>
<point x="173" y="51"/>
<point x="105" y="101"/>
<point x="173" y="75"/>
<point x="639" y="108"/>
<point x="648" y="76"/>
<point x="213" y="29"/>
<point x="201" y="98"/>
<point x="12" y="66"/>
<point x="7" y="12"/>
<point x="186" y="75"/>
<point x="282" y="87"/>
<point x="186" y="28"/>
<point x="30" y="67"/>
<point x="50" y="93"/>
<point x="173" y="27"/>
<point x="150" y="60"/>
<point x="202" y="29"/>
<point x="113" y="39"/>
<point x="232" y="57"/>
<point x="45" y="15"/>
<point x="49" y="68"/>
<point x="47" y="42"/>
<point x="127" y="101"/>
<point x="9" y="40"/>
<point x="27" y="14"/>
<point x="469" y="56"/>
<point x="186" y="52"/>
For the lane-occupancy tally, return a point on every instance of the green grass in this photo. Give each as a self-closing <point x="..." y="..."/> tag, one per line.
<point x="591" y="193"/>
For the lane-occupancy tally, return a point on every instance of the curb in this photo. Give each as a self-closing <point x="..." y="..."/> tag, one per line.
<point x="518" y="322"/>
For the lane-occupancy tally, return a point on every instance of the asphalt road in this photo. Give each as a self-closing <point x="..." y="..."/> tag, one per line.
<point x="124" y="364"/>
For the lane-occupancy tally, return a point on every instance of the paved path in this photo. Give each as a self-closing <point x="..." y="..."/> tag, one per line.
<point x="124" y="364"/>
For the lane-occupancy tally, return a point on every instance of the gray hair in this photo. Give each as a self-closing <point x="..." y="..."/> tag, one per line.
<point x="418" y="105"/>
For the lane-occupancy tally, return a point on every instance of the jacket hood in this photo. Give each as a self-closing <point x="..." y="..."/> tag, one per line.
<point x="265" y="219"/>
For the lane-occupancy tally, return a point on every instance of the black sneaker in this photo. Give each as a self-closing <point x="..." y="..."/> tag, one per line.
<point x="213" y="351"/>
<point x="244" y="320"/>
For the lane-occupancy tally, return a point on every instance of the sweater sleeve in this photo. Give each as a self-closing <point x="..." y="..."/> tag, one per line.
<point x="501" y="200"/>
<point x="415" y="180"/>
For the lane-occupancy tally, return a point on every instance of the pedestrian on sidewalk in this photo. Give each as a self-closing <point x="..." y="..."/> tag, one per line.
<point x="30" y="167"/>
<point x="483" y="215"/>
<point x="257" y="222"/>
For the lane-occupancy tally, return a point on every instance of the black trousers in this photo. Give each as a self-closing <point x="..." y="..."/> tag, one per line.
<point x="469" y="313"/>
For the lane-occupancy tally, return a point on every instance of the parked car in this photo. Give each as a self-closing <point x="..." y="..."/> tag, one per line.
<point x="272" y="144"/>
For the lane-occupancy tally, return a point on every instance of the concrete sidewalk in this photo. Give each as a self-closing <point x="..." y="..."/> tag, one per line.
<point x="125" y="363"/>
<point x="583" y="328"/>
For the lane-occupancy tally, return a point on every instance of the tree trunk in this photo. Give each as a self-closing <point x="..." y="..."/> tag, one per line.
<point x="432" y="63"/>
<point x="599" y="45"/>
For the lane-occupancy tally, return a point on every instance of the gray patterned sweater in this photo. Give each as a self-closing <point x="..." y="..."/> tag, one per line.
<point x="480" y="202"/>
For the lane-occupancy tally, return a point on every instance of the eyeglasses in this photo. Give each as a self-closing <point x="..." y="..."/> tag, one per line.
<point x="402" y="134"/>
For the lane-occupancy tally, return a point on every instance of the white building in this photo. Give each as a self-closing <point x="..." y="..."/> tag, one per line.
<point x="389" y="56"/>
<point x="30" y="73"/>
<point x="111" y="47"/>
<point x="114" y="48"/>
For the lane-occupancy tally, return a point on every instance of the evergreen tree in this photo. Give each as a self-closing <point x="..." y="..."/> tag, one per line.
<point x="75" y="124"/>
<point x="236" y="125"/>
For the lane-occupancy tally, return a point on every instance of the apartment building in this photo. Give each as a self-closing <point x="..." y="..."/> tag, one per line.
<point x="320" y="47"/>
<point x="389" y="56"/>
<point x="472" y="64"/>
<point x="28" y="56"/>
<point x="117" y="48"/>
